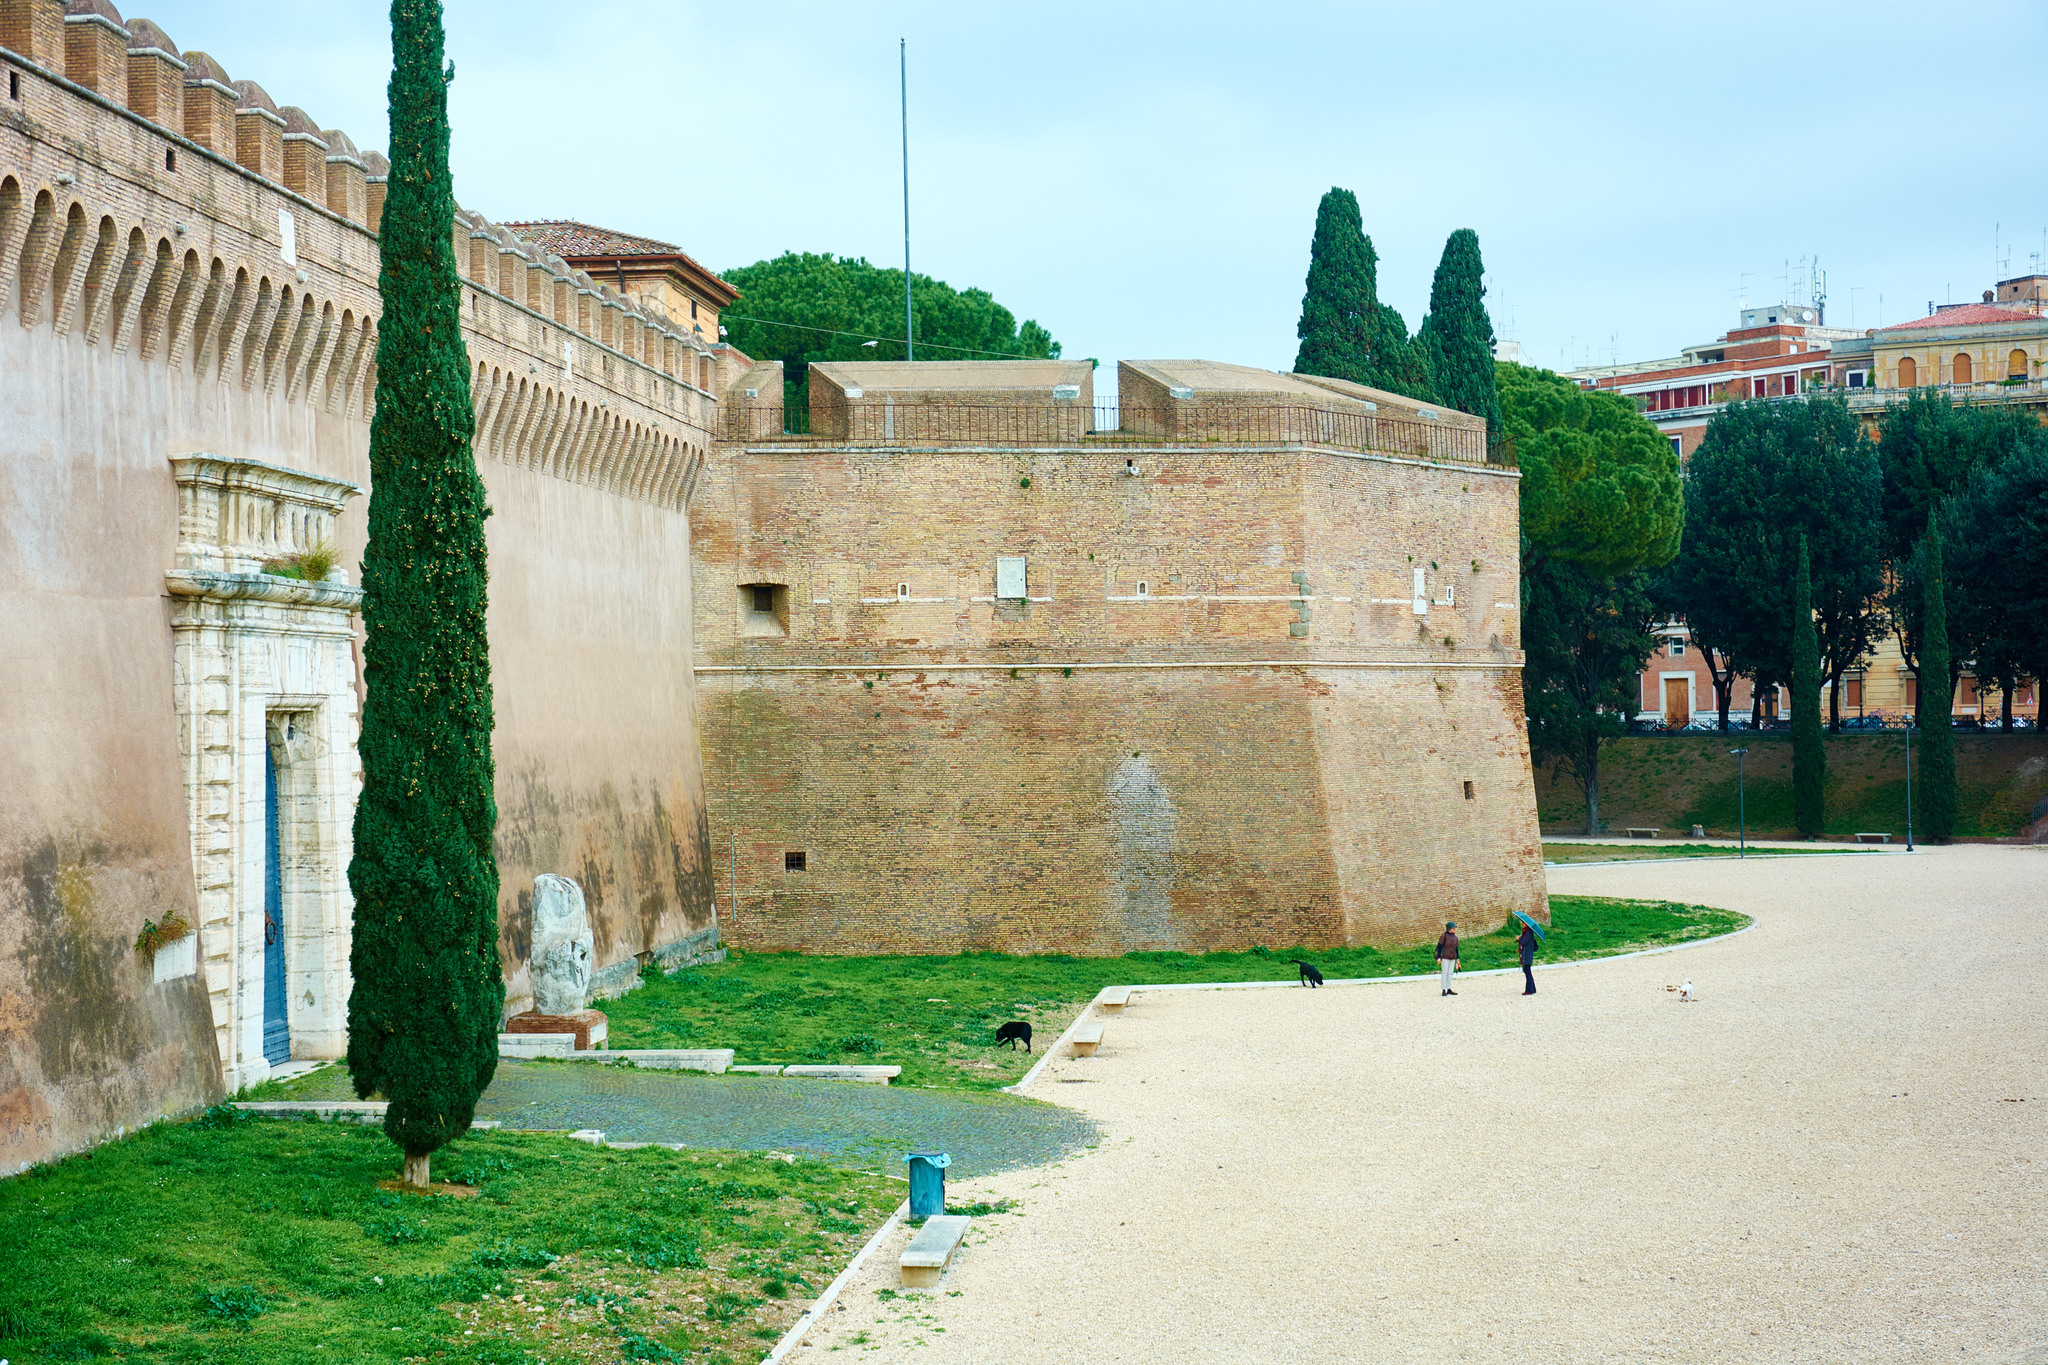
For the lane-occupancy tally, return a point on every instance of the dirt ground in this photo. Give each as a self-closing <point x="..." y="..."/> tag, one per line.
<point x="1835" y="1154"/>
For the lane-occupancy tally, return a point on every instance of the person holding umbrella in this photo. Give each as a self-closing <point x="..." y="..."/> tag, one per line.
<point x="1447" y="953"/>
<point x="1526" y="949"/>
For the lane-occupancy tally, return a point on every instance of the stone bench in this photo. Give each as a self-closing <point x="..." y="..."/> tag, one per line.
<point x="1639" y="832"/>
<point x="518" y="1045"/>
<point x="716" y="1060"/>
<point x="1086" y="1039"/>
<point x="1113" y="999"/>
<point x="933" y="1246"/>
<point x="1874" y="837"/>
<point x="873" y="1075"/>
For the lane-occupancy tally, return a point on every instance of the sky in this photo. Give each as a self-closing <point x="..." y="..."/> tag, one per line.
<point x="1142" y="179"/>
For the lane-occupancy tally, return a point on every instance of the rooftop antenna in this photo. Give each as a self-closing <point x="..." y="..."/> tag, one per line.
<point x="903" y="91"/>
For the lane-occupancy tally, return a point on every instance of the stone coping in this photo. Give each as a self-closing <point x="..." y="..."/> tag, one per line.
<point x="335" y="1111"/>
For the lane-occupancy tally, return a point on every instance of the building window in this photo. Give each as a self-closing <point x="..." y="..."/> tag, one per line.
<point x="1852" y="692"/>
<point x="693" y="308"/>
<point x="1759" y="388"/>
<point x="902" y="592"/>
<point x="1677" y="446"/>
<point x="170" y="158"/>
<point x="2016" y="364"/>
<point x="14" y="85"/>
<point x="1912" y="691"/>
<point x="1856" y="378"/>
<point x="764" y="609"/>
<point x="1468" y="791"/>
<point x="1144" y="588"/>
<point x="1909" y="373"/>
<point x="793" y="861"/>
<point x="1959" y="369"/>
<point x="1677" y="648"/>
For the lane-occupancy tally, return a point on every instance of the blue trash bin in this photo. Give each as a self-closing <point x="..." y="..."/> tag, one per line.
<point x="928" y="1183"/>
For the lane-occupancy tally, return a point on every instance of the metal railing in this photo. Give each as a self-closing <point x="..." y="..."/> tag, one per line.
<point x="1185" y="422"/>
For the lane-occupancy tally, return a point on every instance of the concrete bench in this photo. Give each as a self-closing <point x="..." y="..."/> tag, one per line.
<point x="1874" y="837"/>
<point x="1113" y="999"/>
<point x="1638" y="832"/>
<point x="716" y="1060"/>
<point x="1086" y="1039"/>
<point x="873" y="1075"/>
<point x="933" y="1246"/>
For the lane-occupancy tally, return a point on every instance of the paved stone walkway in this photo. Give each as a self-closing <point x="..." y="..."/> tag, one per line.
<point x="869" y="1126"/>
<point x="1836" y="1154"/>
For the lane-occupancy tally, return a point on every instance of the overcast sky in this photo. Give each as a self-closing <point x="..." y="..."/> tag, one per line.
<point x="1142" y="179"/>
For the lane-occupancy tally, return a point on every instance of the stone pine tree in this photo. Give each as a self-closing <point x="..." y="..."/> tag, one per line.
<point x="1936" y="789"/>
<point x="1345" y="331"/>
<point x="1809" y="747"/>
<point x="1457" y="336"/>
<point x="1336" y="308"/>
<point x="428" y="994"/>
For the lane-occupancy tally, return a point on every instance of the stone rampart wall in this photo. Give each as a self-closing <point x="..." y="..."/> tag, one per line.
<point x="1238" y="701"/>
<point x="150" y="310"/>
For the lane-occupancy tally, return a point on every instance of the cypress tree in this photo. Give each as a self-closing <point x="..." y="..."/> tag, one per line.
<point x="1809" y="748"/>
<point x="1457" y="336"/>
<point x="1337" y="306"/>
<point x="1936" y="788"/>
<point x="428" y="994"/>
<point x="1345" y="331"/>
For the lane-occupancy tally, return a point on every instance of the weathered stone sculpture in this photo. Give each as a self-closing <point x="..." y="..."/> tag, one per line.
<point x="559" y="966"/>
<point x="560" y="963"/>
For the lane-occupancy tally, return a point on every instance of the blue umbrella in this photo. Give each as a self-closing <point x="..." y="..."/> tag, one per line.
<point x="1540" y="935"/>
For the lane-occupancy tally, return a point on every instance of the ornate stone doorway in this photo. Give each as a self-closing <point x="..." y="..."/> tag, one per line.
<point x="265" y="676"/>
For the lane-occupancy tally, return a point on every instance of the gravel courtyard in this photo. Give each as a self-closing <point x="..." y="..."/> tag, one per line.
<point x="1835" y="1154"/>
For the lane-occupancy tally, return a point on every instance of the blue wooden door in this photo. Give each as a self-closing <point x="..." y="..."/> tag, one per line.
<point x="277" y="1038"/>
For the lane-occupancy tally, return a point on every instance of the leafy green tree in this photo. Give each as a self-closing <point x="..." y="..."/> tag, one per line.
<point x="1928" y="449"/>
<point x="1937" y="788"/>
<point x="1809" y="745"/>
<point x="1585" y="637"/>
<point x="808" y="307"/>
<point x="1765" y="474"/>
<point x="1600" y="510"/>
<point x="428" y="997"/>
<point x="1457" y="336"/>
<point x="1345" y="331"/>
<point x="1600" y="485"/>
<point x="1995" y="541"/>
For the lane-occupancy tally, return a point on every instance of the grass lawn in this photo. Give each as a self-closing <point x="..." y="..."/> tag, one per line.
<point x="236" y="1240"/>
<point x="1650" y="848"/>
<point x="936" y="1016"/>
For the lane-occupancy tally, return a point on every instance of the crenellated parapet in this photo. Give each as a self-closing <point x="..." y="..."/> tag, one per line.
<point x="152" y="203"/>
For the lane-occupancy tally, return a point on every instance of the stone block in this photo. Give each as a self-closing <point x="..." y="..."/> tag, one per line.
<point x="872" y="1075"/>
<point x="536" y="1044"/>
<point x="590" y="1027"/>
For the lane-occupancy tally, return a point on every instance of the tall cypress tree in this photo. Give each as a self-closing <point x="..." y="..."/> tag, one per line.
<point x="1809" y="748"/>
<point x="1336" y="309"/>
<point x="1457" y="336"/>
<point x="428" y="993"/>
<point x="1937" y="787"/>
<point x="1345" y="331"/>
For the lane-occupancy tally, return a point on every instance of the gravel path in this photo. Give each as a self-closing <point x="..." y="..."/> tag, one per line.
<point x="1834" y="1155"/>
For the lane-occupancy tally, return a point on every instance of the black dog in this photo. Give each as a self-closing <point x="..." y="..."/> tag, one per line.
<point x="1013" y="1033"/>
<point x="1310" y="977"/>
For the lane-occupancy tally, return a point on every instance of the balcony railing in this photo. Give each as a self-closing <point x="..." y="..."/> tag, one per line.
<point x="1187" y="422"/>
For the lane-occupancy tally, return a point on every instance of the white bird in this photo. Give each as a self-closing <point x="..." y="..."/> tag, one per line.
<point x="1685" y="991"/>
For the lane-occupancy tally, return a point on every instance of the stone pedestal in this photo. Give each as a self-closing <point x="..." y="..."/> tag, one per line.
<point x="590" y="1026"/>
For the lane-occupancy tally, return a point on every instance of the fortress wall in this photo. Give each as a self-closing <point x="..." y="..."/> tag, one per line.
<point x="1266" y="744"/>
<point x="148" y="313"/>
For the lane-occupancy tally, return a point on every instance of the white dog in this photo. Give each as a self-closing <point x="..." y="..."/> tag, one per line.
<point x="1685" y="992"/>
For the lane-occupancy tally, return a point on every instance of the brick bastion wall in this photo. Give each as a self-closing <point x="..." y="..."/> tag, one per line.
<point x="188" y="317"/>
<point x="1243" y="694"/>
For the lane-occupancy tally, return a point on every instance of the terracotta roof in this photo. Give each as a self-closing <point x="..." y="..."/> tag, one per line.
<point x="578" y="243"/>
<point x="569" y="239"/>
<point x="1969" y="315"/>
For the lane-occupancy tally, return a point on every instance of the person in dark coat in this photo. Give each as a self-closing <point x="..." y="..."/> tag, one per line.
<point x="1447" y="954"/>
<point x="1526" y="944"/>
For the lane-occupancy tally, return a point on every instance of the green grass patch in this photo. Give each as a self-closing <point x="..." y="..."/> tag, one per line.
<point x="936" y="1017"/>
<point x="242" y="1241"/>
<point x="1650" y="848"/>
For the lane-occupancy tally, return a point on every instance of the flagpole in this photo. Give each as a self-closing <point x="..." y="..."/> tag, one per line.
<point x="903" y="77"/>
